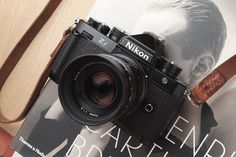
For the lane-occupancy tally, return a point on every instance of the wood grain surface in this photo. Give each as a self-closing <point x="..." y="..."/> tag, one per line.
<point x="16" y="92"/>
<point x="16" y="16"/>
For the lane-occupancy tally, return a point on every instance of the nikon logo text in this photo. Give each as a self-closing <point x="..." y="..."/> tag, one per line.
<point x="137" y="50"/>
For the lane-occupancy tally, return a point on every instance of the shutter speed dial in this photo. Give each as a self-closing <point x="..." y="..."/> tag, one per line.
<point x="116" y="34"/>
<point x="102" y="28"/>
<point x="94" y="23"/>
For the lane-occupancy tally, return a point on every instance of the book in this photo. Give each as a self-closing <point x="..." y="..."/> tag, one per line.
<point x="194" y="132"/>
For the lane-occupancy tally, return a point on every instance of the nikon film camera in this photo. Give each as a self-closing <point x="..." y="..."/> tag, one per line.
<point x="107" y="75"/>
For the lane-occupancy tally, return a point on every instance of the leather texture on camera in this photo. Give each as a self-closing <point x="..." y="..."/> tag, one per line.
<point x="149" y="127"/>
<point x="76" y="45"/>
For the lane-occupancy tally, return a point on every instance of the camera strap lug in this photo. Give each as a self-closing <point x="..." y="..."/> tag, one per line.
<point x="188" y="94"/>
<point x="75" y="23"/>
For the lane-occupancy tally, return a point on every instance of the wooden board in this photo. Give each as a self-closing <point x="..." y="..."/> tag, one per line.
<point x="16" y="17"/>
<point x="17" y="90"/>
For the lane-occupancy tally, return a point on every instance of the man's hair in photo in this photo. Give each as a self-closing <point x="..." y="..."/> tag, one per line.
<point x="206" y="28"/>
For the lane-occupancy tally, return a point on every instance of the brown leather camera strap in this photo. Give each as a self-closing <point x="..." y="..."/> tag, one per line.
<point x="214" y="81"/>
<point x="19" y="50"/>
<point x="41" y="82"/>
<point x="26" y="39"/>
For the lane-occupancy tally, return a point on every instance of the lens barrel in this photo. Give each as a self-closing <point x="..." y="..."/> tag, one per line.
<point x="95" y="89"/>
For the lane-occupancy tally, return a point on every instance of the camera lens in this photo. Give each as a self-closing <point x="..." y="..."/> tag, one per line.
<point x="101" y="89"/>
<point x="95" y="89"/>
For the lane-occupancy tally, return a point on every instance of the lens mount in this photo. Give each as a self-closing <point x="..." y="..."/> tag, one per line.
<point x="95" y="89"/>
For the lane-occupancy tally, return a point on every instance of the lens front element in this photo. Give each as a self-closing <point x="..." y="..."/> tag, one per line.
<point x="101" y="89"/>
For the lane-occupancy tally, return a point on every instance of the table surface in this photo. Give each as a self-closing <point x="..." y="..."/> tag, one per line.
<point x="17" y="16"/>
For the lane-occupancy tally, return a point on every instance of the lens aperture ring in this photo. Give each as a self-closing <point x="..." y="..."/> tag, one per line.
<point x="130" y="75"/>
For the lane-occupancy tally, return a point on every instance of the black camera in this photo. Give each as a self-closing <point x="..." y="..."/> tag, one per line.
<point x="106" y="75"/>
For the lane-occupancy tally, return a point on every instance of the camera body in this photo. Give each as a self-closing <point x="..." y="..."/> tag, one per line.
<point x="129" y="80"/>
